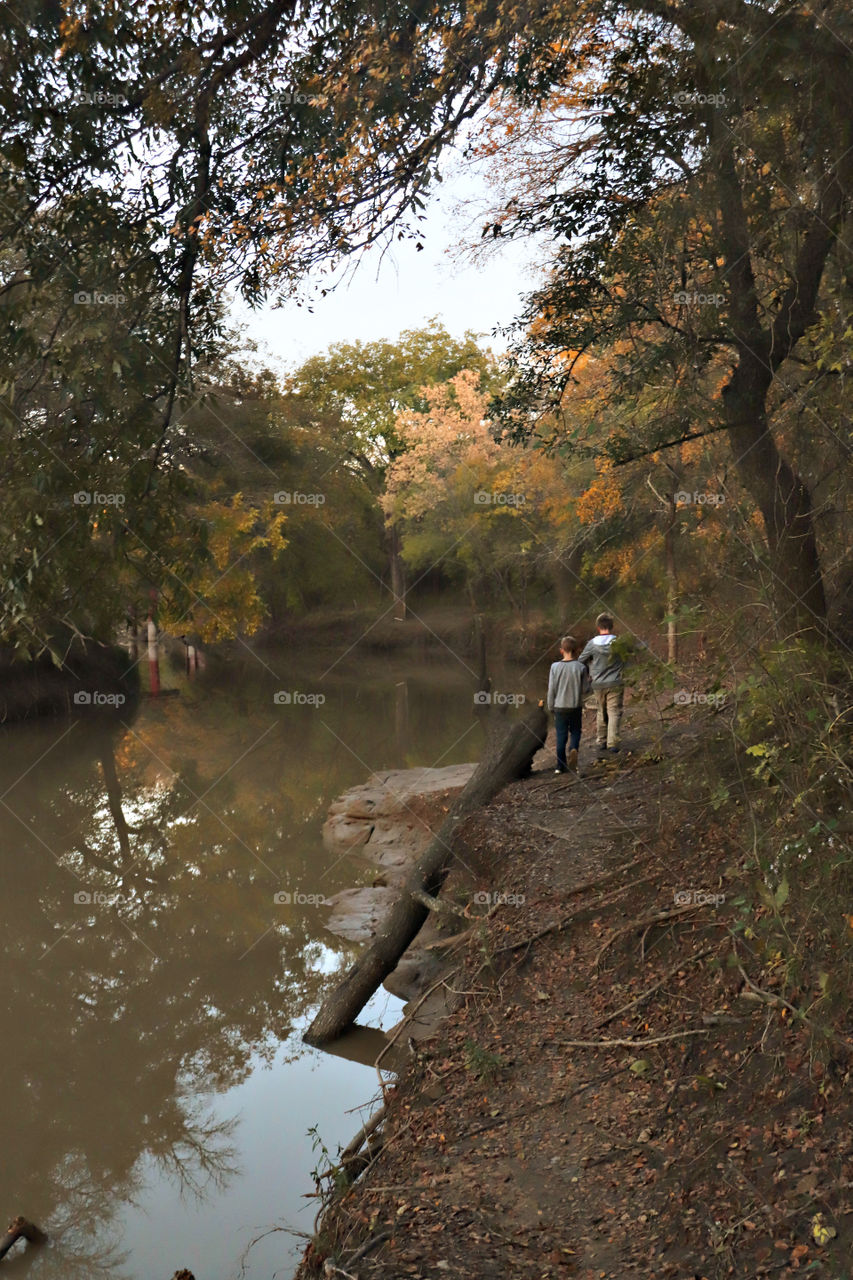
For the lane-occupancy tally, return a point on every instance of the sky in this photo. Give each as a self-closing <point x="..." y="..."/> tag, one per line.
<point x="403" y="289"/>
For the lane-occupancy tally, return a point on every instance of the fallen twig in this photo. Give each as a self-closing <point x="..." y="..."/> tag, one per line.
<point x="630" y="1044"/>
<point x="682" y="964"/>
<point x="583" y="887"/>
<point x="657" y="918"/>
<point x="776" y="1002"/>
<point x="608" y="876"/>
<point x="352" y="1149"/>
<point x="365" y="1248"/>
<point x="560" y="924"/>
<point x="406" y="1022"/>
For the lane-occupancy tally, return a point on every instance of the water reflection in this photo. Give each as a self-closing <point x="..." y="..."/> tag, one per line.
<point x="148" y="966"/>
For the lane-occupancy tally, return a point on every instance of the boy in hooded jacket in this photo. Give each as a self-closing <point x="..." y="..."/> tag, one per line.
<point x="605" y="669"/>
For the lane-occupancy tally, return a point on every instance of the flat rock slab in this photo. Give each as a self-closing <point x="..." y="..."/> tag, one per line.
<point x="379" y="820"/>
<point x="357" y="913"/>
<point x="390" y="793"/>
<point x="386" y="822"/>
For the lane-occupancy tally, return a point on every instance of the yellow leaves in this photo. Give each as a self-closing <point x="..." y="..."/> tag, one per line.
<point x="822" y="1232"/>
<point x="603" y="498"/>
<point x="227" y="598"/>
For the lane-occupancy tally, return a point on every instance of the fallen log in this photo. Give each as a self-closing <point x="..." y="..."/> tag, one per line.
<point x="363" y="1149"/>
<point x="507" y="757"/>
<point x="20" y="1227"/>
<point x="363" y="1136"/>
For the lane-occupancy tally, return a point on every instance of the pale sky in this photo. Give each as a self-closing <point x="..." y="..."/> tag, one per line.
<point x="404" y="289"/>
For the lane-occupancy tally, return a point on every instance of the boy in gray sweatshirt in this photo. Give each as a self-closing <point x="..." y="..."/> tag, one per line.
<point x="568" y="685"/>
<point x="605" y="668"/>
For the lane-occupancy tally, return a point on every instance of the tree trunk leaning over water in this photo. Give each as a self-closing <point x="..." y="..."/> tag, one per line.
<point x="20" y="1227"/>
<point x="508" y="756"/>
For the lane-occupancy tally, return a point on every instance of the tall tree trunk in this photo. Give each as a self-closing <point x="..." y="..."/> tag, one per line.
<point x="398" y="572"/>
<point x="401" y="717"/>
<point x="671" y="582"/>
<point x="781" y="495"/>
<point x="783" y="500"/>
<point x="483" y="682"/>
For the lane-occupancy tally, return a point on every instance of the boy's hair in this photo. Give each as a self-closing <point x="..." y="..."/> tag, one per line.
<point x="604" y="622"/>
<point x="568" y="644"/>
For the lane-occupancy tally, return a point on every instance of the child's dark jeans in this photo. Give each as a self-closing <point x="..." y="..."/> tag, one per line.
<point x="568" y="724"/>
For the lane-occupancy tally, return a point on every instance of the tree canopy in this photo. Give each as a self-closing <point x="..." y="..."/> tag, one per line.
<point x="692" y="166"/>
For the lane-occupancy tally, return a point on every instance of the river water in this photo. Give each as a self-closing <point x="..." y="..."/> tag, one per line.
<point x="160" y="959"/>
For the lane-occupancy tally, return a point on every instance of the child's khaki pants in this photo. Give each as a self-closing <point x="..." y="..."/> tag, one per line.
<point x="608" y="702"/>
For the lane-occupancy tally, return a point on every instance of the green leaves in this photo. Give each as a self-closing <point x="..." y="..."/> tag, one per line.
<point x="781" y="895"/>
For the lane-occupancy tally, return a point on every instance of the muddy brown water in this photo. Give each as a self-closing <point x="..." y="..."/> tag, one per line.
<point x="164" y="945"/>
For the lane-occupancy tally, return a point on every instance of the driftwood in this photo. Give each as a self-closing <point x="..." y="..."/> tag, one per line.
<point x="17" y="1228"/>
<point x="360" y="1152"/>
<point x="354" y="1146"/>
<point x="507" y="757"/>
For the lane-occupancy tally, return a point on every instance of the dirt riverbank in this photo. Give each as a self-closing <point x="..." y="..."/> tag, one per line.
<point x="617" y="1089"/>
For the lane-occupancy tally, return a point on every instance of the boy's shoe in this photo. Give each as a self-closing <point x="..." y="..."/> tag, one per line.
<point x="613" y="750"/>
<point x="560" y="769"/>
<point x="573" y="760"/>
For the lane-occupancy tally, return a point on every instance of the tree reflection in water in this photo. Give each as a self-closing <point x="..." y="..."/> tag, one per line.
<point x="148" y="967"/>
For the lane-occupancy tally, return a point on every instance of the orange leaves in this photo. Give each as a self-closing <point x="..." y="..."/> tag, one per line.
<point x="603" y="498"/>
<point x="69" y="30"/>
<point x="617" y="564"/>
<point x="452" y="433"/>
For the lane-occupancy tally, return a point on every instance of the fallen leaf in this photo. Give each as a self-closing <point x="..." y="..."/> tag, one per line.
<point x="821" y="1230"/>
